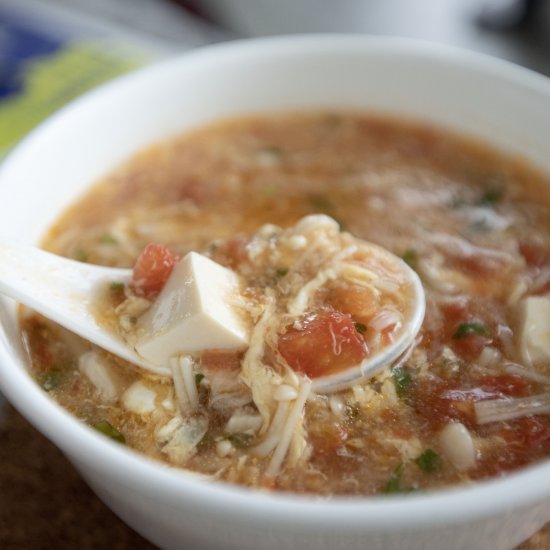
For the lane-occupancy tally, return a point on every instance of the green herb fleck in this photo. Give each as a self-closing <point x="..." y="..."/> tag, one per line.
<point x="410" y="257"/>
<point x="241" y="441"/>
<point x="205" y="442"/>
<point x="394" y="483"/>
<point x="274" y="150"/>
<point x="269" y="190"/>
<point x="429" y="461"/>
<point x="402" y="379"/>
<point x="51" y="380"/>
<point x="465" y="329"/>
<point x="107" y="238"/>
<point x="491" y="196"/>
<point x="107" y="429"/>
<point x="80" y="255"/>
<point x="281" y="272"/>
<point x="360" y="328"/>
<point x="480" y="226"/>
<point x="321" y="203"/>
<point x="198" y="377"/>
<point x="457" y="202"/>
<point x="341" y="223"/>
<point x="116" y="287"/>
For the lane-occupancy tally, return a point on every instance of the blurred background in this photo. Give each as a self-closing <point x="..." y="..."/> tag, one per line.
<point x="515" y="29"/>
<point x="53" y="50"/>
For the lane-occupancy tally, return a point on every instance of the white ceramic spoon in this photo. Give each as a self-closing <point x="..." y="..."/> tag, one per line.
<point x="64" y="290"/>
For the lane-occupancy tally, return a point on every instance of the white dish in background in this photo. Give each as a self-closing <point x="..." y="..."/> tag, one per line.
<point x="500" y="103"/>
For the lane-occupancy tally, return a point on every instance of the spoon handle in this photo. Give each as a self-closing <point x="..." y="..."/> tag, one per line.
<point x="62" y="290"/>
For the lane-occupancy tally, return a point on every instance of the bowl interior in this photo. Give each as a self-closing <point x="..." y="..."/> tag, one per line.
<point x="493" y="101"/>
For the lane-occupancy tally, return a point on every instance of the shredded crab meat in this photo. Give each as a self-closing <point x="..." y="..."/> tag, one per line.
<point x="494" y="410"/>
<point x="273" y="434"/>
<point x="291" y="422"/>
<point x="461" y="247"/>
<point x="514" y="368"/>
<point x="385" y="320"/>
<point x="257" y="376"/>
<point x="299" y="303"/>
<point x="185" y="385"/>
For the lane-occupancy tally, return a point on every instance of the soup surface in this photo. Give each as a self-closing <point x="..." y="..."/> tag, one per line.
<point x="470" y="401"/>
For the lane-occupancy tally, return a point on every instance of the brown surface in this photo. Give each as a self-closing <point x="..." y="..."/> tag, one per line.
<point x="44" y="503"/>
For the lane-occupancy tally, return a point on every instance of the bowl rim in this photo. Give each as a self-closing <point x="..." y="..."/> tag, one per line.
<point x="414" y="511"/>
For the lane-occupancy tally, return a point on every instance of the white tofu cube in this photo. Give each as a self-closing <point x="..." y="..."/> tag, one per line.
<point x="534" y="332"/>
<point x="195" y="311"/>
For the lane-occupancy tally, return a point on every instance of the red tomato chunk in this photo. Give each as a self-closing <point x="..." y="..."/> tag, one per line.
<point x="327" y="342"/>
<point x="152" y="269"/>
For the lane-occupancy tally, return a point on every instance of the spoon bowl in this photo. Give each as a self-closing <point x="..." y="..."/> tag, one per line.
<point x="65" y="291"/>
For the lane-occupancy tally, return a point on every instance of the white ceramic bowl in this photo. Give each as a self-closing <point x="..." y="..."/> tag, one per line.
<point x="500" y="103"/>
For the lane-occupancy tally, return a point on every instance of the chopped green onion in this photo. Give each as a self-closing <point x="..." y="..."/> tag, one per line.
<point x="343" y="226"/>
<point x="269" y="190"/>
<point x="321" y="203"/>
<point x="281" y="272"/>
<point x="491" y="196"/>
<point x="107" y="238"/>
<point x="107" y="429"/>
<point x="480" y="226"/>
<point x="360" y="328"/>
<point x="429" y="461"/>
<point x="465" y="329"/>
<point x="272" y="150"/>
<point x="206" y="441"/>
<point x="80" y="255"/>
<point x="457" y="202"/>
<point x="410" y="257"/>
<point x="394" y="483"/>
<point x="51" y="380"/>
<point x="198" y="377"/>
<point x="241" y="441"/>
<point x="116" y="287"/>
<point x="402" y="379"/>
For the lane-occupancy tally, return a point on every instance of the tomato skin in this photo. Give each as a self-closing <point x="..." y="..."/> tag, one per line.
<point x="326" y="343"/>
<point x="152" y="269"/>
<point x="527" y="439"/>
<point x="505" y="385"/>
<point x="534" y="254"/>
<point x="439" y="403"/>
<point x="470" y="347"/>
<point x="328" y="439"/>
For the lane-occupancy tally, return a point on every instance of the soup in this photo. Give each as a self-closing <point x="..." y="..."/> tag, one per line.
<point x="469" y="401"/>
